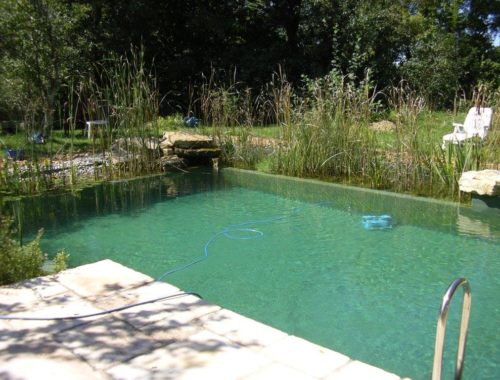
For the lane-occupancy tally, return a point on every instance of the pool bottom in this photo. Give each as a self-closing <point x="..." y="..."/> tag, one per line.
<point x="312" y="271"/>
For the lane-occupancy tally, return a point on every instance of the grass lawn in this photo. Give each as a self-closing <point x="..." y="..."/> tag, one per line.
<point x="431" y="126"/>
<point x="57" y="143"/>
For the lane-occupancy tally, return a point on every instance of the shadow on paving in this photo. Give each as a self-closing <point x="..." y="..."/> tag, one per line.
<point x="108" y="340"/>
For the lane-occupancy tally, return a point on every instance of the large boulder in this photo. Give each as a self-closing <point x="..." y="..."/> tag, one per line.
<point x="172" y="161"/>
<point x="198" y="153"/>
<point x="125" y="143"/>
<point x="185" y="140"/>
<point x="189" y="145"/>
<point x="484" y="182"/>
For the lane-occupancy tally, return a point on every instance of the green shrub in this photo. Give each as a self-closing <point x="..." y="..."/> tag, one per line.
<point x="60" y="261"/>
<point x="20" y="262"/>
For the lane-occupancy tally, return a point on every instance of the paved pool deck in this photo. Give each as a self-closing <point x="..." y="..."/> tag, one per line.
<point x="182" y="337"/>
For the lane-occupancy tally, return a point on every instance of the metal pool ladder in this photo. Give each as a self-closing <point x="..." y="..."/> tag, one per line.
<point x="441" y="328"/>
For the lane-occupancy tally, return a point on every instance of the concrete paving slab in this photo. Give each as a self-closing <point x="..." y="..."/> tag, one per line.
<point x="14" y="299"/>
<point x="15" y="332"/>
<point x="179" y="310"/>
<point x="62" y="305"/>
<point x="101" y="278"/>
<point x="105" y="342"/>
<point x="149" y="291"/>
<point x="305" y="356"/>
<point x="358" y="370"/>
<point x="177" y="338"/>
<point x="165" y="332"/>
<point x="278" y="371"/>
<point x="242" y="330"/>
<point x="45" y="361"/>
<point x="202" y="355"/>
<point x="44" y="287"/>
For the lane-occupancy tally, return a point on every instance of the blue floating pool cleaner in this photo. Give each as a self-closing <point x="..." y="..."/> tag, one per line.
<point x="377" y="222"/>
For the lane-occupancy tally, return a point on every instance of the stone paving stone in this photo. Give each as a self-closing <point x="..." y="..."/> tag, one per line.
<point x="42" y="360"/>
<point x="358" y="370"/>
<point x="14" y="332"/>
<point x="203" y="356"/>
<point x="100" y="278"/>
<point x="278" y="371"/>
<point x="242" y="330"/>
<point x="165" y="332"/>
<point x="13" y="299"/>
<point x="178" y="338"/>
<point x="305" y="356"/>
<point x="179" y="310"/>
<point x="129" y="296"/>
<point x="44" y="287"/>
<point x="66" y="304"/>
<point x="105" y="342"/>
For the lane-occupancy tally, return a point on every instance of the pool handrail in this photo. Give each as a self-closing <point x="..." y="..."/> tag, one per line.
<point x="441" y="328"/>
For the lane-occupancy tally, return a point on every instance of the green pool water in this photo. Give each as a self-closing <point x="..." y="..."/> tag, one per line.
<point x="296" y="256"/>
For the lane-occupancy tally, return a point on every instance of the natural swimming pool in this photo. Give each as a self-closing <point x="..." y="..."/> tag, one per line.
<point x="294" y="254"/>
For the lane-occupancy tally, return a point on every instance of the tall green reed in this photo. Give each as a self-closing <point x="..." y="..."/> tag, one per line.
<point x="125" y="94"/>
<point x="329" y="135"/>
<point x="230" y="110"/>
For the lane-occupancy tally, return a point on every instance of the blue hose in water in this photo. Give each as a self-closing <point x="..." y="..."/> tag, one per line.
<point x="228" y="232"/>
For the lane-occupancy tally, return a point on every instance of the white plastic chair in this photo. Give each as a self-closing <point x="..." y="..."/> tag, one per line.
<point x="476" y="123"/>
<point x="93" y="124"/>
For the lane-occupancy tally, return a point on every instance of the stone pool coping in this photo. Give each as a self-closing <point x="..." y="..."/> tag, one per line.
<point x="177" y="338"/>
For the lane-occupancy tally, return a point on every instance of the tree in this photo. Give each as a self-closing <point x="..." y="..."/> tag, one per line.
<point x="452" y="48"/>
<point x="43" y="47"/>
<point x="434" y="67"/>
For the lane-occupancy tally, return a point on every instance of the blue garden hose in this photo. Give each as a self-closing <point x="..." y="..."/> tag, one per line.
<point x="228" y="232"/>
<point x="252" y="233"/>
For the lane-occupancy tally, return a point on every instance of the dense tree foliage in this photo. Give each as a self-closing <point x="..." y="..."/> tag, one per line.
<point x="43" y="46"/>
<point x="441" y="47"/>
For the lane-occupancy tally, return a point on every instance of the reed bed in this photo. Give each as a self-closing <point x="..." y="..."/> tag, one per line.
<point x="329" y="136"/>
<point x="125" y="95"/>
<point x="325" y="133"/>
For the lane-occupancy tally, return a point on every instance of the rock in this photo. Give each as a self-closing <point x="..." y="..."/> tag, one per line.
<point x="383" y="126"/>
<point x="149" y="143"/>
<point x="185" y="140"/>
<point x="168" y="151"/>
<point x="484" y="182"/>
<point x="166" y="144"/>
<point x="172" y="161"/>
<point x="215" y="164"/>
<point x="198" y="153"/>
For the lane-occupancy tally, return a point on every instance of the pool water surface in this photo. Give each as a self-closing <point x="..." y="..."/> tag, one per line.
<point x="295" y="254"/>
